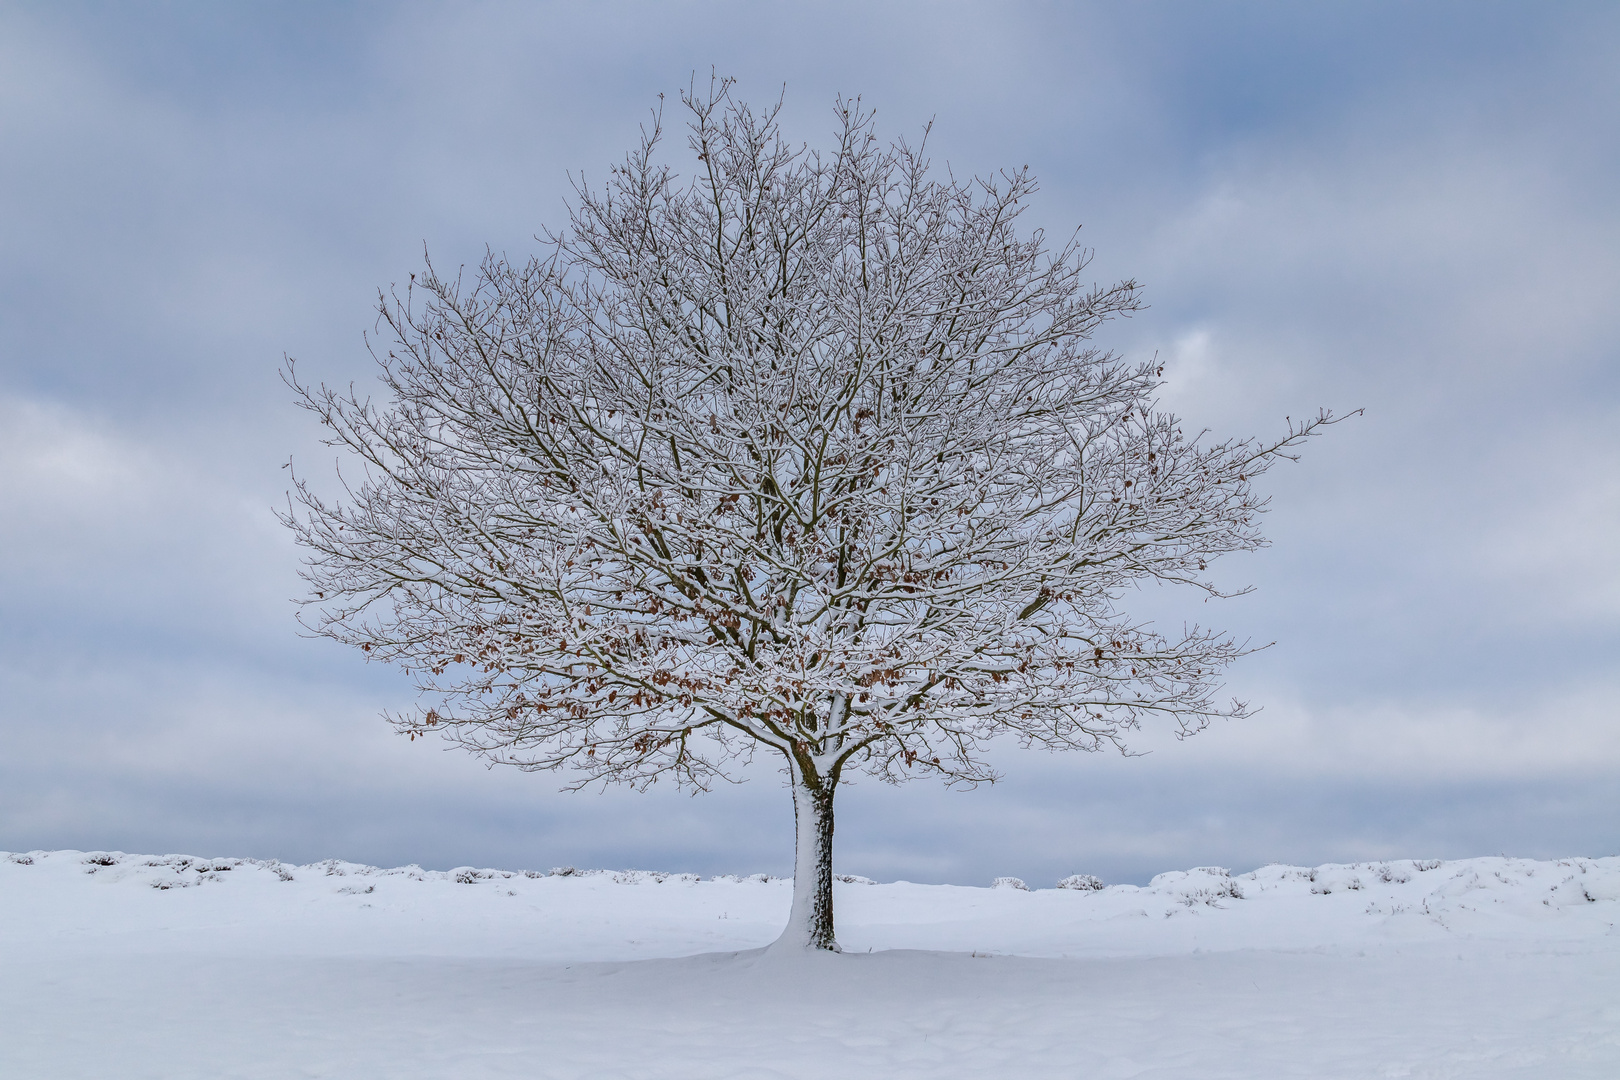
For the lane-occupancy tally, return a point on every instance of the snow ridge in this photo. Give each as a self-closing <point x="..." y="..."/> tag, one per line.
<point x="1389" y="887"/>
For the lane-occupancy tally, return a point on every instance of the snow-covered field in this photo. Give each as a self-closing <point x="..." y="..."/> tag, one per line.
<point x="131" y="966"/>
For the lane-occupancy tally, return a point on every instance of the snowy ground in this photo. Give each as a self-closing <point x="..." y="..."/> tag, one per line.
<point x="131" y="966"/>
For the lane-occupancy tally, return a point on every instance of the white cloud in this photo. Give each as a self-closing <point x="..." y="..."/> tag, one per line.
<point x="53" y="459"/>
<point x="1566" y="731"/>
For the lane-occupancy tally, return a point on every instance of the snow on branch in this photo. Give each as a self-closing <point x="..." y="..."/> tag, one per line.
<point x="801" y="451"/>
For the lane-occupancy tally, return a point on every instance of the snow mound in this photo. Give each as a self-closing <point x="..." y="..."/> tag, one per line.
<point x="1207" y="885"/>
<point x="1435" y="886"/>
<point x="183" y="871"/>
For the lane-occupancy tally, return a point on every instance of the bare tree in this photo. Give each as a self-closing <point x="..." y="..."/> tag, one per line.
<point x="805" y="453"/>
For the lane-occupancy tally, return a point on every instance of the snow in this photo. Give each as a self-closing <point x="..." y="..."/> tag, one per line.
<point x="178" y="967"/>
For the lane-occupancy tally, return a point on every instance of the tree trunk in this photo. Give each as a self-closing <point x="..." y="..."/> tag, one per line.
<point x="810" y="923"/>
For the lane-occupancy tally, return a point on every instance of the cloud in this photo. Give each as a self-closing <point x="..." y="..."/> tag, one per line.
<point x="113" y="541"/>
<point x="1407" y="210"/>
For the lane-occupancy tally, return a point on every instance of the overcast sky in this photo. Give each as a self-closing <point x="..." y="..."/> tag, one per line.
<point x="1399" y="207"/>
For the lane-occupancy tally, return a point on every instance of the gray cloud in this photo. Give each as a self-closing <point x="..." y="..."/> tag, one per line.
<point x="1407" y="210"/>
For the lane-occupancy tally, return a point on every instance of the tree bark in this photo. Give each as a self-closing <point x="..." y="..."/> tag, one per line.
<point x="810" y="923"/>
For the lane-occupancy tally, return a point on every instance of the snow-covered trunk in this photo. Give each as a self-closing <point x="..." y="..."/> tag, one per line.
<point x="810" y="923"/>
